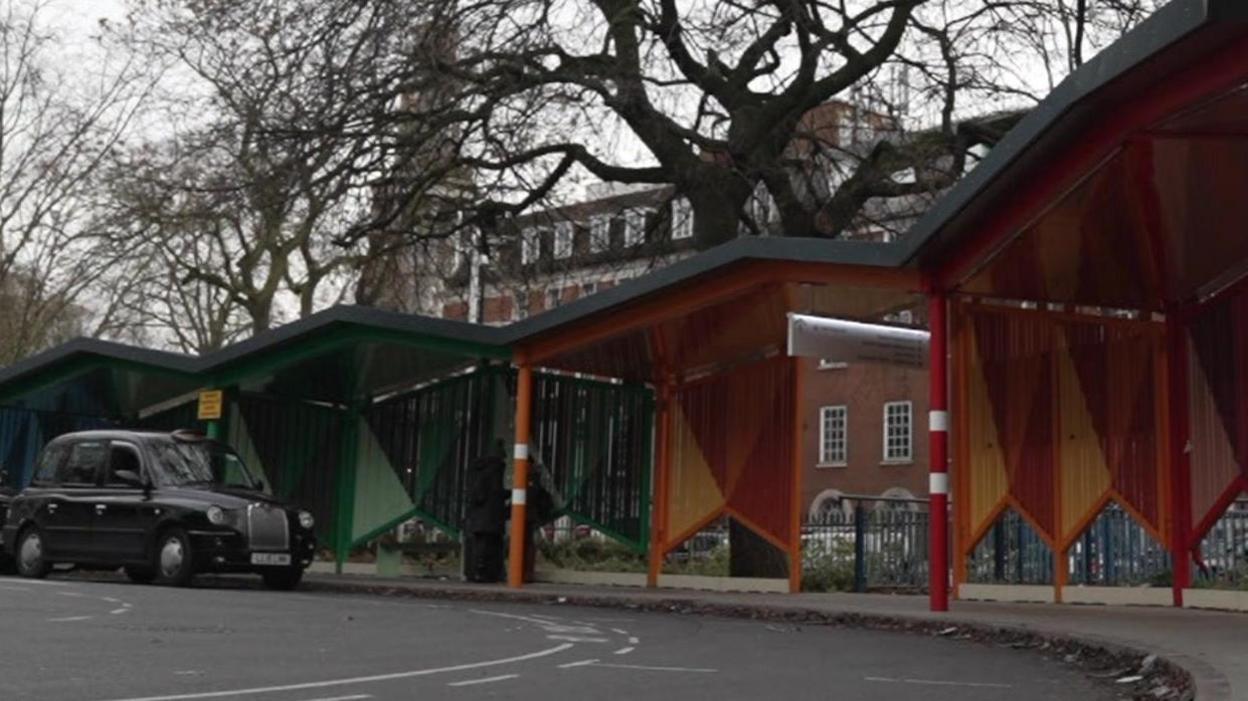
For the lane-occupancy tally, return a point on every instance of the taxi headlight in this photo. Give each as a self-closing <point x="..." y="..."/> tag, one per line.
<point x="306" y="520"/>
<point x="217" y="516"/>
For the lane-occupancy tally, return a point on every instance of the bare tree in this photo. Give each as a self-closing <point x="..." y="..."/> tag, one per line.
<point x="243" y="212"/>
<point x="56" y="133"/>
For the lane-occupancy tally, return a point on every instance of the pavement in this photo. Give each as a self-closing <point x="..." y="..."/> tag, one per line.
<point x="100" y="638"/>
<point x="1210" y="646"/>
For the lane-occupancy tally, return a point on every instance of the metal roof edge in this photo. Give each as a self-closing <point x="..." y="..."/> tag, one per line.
<point x="1169" y="24"/>
<point x="830" y="251"/>
<point x="106" y="350"/>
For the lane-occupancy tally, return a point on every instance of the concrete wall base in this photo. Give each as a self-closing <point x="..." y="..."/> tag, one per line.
<point x="1016" y="593"/>
<point x="1224" y="600"/>
<point x="740" y="584"/>
<point x="1118" y="596"/>
<point x="595" y="579"/>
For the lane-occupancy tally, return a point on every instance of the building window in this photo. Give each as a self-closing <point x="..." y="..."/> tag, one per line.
<point x="530" y="245"/>
<point x="682" y="219"/>
<point x="554" y="297"/>
<point x="833" y="437"/>
<point x="599" y="233"/>
<point x="897" y="432"/>
<point x="830" y="364"/>
<point x="563" y="239"/>
<point x="589" y="288"/>
<point x="634" y="227"/>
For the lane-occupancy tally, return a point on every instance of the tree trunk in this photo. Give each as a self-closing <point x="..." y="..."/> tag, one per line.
<point x="717" y="206"/>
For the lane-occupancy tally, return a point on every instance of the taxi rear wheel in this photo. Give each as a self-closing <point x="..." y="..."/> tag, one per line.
<point x="175" y="563"/>
<point x="30" y="560"/>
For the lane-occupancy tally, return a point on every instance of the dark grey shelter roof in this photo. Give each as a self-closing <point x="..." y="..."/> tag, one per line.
<point x="1143" y="56"/>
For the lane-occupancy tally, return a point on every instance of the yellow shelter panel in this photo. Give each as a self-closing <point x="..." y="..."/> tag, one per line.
<point x="693" y="493"/>
<point x="986" y="474"/>
<point x="1085" y="476"/>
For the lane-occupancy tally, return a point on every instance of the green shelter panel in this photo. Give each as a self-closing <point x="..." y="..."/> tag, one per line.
<point x="381" y="501"/>
<point x="592" y="446"/>
<point x="239" y="437"/>
<point x="431" y="435"/>
<point x="298" y="445"/>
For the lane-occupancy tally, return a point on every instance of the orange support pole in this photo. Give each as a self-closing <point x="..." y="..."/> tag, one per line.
<point x="1180" y="459"/>
<point x="662" y="469"/>
<point x="520" y="476"/>
<point x="938" y="437"/>
<point x="795" y="544"/>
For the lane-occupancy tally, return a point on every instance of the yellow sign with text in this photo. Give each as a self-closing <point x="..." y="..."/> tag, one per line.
<point x="210" y="404"/>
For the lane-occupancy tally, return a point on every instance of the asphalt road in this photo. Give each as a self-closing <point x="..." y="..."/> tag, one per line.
<point x="108" y="641"/>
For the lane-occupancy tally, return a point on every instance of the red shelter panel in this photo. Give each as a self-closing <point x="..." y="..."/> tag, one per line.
<point x="732" y="448"/>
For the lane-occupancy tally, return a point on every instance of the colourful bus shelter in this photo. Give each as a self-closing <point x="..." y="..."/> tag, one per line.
<point x="1084" y="288"/>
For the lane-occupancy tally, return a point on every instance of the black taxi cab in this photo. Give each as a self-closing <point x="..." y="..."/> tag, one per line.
<point x="162" y="506"/>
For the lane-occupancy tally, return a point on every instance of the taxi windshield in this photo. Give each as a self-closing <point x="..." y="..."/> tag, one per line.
<point x="183" y="463"/>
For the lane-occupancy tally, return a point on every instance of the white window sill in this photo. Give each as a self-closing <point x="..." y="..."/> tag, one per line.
<point x="833" y="366"/>
<point x="896" y="463"/>
<point x="825" y="465"/>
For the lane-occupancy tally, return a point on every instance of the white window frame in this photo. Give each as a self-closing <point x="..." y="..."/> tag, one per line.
<point x="554" y="297"/>
<point x="589" y="288"/>
<point x="530" y="245"/>
<point x="828" y="454"/>
<point x="830" y="364"/>
<point x="682" y="219"/>
<point x="599" y="233"/>
<point x="894" y="453"/>
<point x="634" y="227"/>
<point x="563" y="239"/>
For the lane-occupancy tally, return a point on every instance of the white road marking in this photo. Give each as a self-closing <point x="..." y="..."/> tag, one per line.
<point x="693" y="670"/>
<point x="582" y="663"/>
<point x="358" y="680"/>
<point x="187" y="672"/>
<point x="625" y="650"/>
<point x="121" y="610"/>
<point x="619" y="631"/>
<point x="577" y="639"/>
<point x="67" y="619"/>
<point x="111" y="600"/>
<point x="511" y="616"/>
<point x="356" y="697"/>
<point x="487" y="680"/>
<point x="73" y="594"/>
<point x="634" y="640"/>
<point x="933" y="682"/>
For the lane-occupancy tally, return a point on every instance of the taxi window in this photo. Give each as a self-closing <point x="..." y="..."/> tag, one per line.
<point x="82" y="467"/>
<point x="50" y="464"/>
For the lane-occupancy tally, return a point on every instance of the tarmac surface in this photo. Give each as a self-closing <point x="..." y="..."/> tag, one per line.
<point x="92" y="640"/>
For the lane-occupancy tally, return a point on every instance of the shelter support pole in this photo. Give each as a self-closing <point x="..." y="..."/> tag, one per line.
<point x="938" y="451"/>
<point x="349" y="453"/>
<point x="520" y="475"/>
<point x="1180" y="472"/>
<point x="662" y="470"/>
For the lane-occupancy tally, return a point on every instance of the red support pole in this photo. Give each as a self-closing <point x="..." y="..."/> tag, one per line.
<point x="938" y="451"/>
<point x="1180" y="457"/>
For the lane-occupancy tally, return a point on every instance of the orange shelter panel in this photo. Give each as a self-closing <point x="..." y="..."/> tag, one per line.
<point x="732" y="451"/>
<point x="1062" y="417"/>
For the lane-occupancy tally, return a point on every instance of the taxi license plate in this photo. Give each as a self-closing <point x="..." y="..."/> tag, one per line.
<point x="270" y="559"/>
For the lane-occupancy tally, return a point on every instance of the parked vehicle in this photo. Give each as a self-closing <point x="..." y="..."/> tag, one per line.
<point x="162" y="506"/>
<point x="6" y="496"/>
